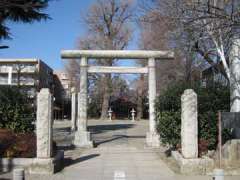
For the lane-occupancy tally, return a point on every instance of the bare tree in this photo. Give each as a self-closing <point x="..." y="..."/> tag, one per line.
<point x="156" y="28"/>
<point x="213" y="26"/>
<point x="141" y="93"/>
<point x="73" y="70"/>
<point x="108" y="28"/>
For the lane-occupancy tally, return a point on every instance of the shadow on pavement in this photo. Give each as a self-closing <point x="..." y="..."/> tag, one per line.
<point x="116" y="137"/>
<point x="66" y="147"/>
<point x="70" y="161"/>
<point x="62" y="129"/>
<point x="97" y="129"/>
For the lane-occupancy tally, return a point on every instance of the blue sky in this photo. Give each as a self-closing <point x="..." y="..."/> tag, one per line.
<point x="44" y="40"/>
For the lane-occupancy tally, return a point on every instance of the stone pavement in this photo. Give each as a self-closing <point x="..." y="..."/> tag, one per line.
<point x="120" y="154"/>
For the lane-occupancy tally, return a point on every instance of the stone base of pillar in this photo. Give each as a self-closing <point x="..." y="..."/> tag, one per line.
<point x="73" y="129"/>
<point x="47" y="166"/>
<point x="153" y="139"/>
<point x="42" y="166"/>
<point x="194" y="166"/>
<point x="83" y="139"/>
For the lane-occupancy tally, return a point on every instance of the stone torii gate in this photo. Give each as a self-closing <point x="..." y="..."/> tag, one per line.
<point x="82" y="136"/>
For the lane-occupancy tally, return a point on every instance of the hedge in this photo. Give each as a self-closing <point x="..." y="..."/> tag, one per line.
<point x="16" y="111"/>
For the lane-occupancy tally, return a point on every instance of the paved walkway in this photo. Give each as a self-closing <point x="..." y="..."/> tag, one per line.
<point x="120" y="154"/>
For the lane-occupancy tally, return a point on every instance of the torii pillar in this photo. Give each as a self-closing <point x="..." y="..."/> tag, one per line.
<point x="82" y="136"/>
<point x="152" y="138"/>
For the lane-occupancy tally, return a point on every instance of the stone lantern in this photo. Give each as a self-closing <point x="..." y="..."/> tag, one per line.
<point x="133" y="114"/>
<point x="110" y="114"/>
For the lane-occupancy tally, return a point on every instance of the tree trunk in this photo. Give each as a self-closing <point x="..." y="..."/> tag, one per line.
<point x="139" y="107"/>
<point x="235" y="76"/>
<point x="140" y="98"/>
<point x="188" y="70"/>
<point x="106" y="97"/>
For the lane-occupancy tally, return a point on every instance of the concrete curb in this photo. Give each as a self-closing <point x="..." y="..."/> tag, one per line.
<point x="55" y="164"/>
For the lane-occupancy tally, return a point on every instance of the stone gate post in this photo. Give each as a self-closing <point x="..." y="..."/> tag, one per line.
<point x="82" y="136"/>
<point x="44" y="124"/>
<point x="43" y="164"/>
<point x="189" y="124"/>
<point x="73" y="113"/>
<point x="153" y="139"/>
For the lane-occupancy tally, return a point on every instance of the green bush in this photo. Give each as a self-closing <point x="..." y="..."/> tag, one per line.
<point x="16" y="112"/>
<point x="210" y="100"/>
<point x="169" y="127"/>
<point x="94" y="109"/>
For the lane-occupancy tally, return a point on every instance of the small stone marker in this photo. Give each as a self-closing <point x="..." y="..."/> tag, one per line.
<point x="133" y="114"/>
<point x="218" y="174"/>
<point x="119" y="175"/>
<point x="189" y="124"/>
<point x="110" y="114"/>
<point x="18" y="174"/>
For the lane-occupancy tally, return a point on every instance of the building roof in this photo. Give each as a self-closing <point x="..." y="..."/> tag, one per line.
<point x="19" y="60"/>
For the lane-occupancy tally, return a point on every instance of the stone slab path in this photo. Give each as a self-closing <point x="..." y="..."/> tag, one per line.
<point x="120" y="154"/>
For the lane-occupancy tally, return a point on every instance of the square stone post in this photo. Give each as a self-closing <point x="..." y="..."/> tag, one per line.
<point x="189" y="125"/>
<point x="74" y="107"/>
<point x="45" y="163"/>
<point x="153" y="139"/>
<point x="44" y="124"/>
<point x="82" y="136"/>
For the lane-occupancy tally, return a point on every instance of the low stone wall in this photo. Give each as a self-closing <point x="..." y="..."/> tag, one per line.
<point x="29" y="164"/>
<point x="230" y="156"/>
<point x="7" y="164"/>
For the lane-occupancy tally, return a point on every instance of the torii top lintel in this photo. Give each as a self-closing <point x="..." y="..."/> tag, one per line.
<point x="119" y="54"/>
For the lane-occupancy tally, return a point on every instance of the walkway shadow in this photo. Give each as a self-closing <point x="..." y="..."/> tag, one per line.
<point x="97" y="129"/>
<point x="70" y="161"/>
<point x="62" y="129"/>
<point x="66" y="147"/>
<point x="116" y="138"/>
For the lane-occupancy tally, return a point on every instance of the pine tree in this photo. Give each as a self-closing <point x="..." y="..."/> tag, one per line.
<point x="26" y="11"/>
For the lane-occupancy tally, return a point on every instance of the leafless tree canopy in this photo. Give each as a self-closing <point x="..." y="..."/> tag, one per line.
<point x="201" y="33"/>
<point x="156" y="34"/>
<point x="205" y="27"/>
<point x="108" y="24"/>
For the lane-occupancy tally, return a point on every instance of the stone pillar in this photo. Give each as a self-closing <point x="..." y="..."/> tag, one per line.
<point x="235" y="76"/>
<point x="73" y="114"/>
<point x="82" y="136"/>
<point x="153" y="138"/>
<point x="44" y="163"/>
<point x="44" y="124"/>
<point x="189" y="124"/>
